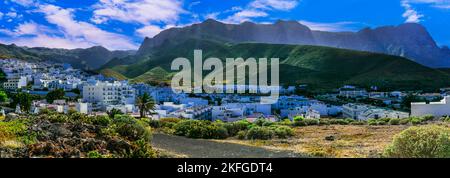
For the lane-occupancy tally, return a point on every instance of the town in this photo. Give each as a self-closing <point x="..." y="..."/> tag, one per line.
<point x="94" y="94"/>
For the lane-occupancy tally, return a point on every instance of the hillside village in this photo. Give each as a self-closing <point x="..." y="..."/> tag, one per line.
<point x="94" y="94"/>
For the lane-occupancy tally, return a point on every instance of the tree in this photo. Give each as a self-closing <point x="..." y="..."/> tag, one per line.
<point x="145" y="104"/>
<point x="23" y="100"/>
<point x="3" y="97"/>
<point x="113" y="112"/>
<point x="55" y="95"/>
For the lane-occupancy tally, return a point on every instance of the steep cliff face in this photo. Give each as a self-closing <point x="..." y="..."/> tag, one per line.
<point x="407" y="40"/>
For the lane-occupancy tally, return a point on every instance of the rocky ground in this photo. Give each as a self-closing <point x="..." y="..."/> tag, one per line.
<point x="72" y="139"/>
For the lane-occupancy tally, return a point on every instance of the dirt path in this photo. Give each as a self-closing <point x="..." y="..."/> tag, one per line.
<point x="197" y="148"/>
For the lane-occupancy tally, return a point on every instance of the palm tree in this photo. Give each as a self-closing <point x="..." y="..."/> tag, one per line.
<point x="145" y="104"/>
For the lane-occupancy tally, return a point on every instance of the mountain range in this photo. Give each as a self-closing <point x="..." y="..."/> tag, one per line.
<point x="89" y="59"/>
<point x="408" y="40"/>
<point x="392" y="57"/>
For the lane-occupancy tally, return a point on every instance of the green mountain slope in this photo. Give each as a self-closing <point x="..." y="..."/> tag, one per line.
<point x="320" y="67"/>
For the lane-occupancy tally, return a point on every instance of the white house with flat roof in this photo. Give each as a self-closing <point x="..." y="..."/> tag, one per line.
<point x="437" y="109"/>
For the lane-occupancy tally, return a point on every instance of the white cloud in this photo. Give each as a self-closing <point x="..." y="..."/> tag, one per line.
<point x="274" y="4"/>
<point x="411" y="15"/>
<point x="245" y="15"/>
<point x="259" y="8"/>
<point x="1" y="15"/>
<point x="329" y="27"/>
<point x="148" y="31"/>
<point x="82" y="32"/>
<point x="138" y="11"/>
<point x="25" y="3"/>
<point x="11" y="14"/>
<point x="443" y="4"/>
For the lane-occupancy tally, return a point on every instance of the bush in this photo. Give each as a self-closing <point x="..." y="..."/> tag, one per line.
<point x="101" y="120"/>
<point x="339" y="122"/>
<point x="241" y="135"/>
<point x="285" y="122"/>
<point x="260" y="133"/>
<point x="299" y="123"/>
<point x="324" y="122"/>
<point x="155" y="123"/>
<point x="421" y="142"/>
<point x="298" y="118"/>
<point x="428" y="118"/>
<point x="234" y="127"/>
<point x="201" y="129"/>
<point x="283" y="132"/>
<point x="94" y="154"/>
<point x="416" y="120"/>
<point x="394" y="122"/>
<point x="372" y="122"/>
<point x="311" y="121"/>
<point x="130" y="128"/>
<point x="404" y="121"/>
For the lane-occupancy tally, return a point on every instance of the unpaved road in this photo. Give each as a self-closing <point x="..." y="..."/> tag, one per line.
<point x="198" y="148"/>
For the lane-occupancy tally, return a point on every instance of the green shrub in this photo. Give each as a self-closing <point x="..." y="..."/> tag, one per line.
<point x="298" y="118"/>
<point x="241" y="135"/>
<point x="201" y="129"/>
<point x="372" y="122"/>
<point x="300" y="123"/>
<point x="324" y="122"/>
<point x="421" y="142"/>
<point x="283" y="132"/>
<point x="130" y="128"/>
<point x="142" y="149"/>
<point x="260" y="133"/>
<point x="234" y="127"/>
<point x="155" y="123"/>
<point x="382" y="122"/>
<point x="404" y="121"/>
<point x="285" y="122"/>
<point x="215" y="131"/>
<point x="311" y="121"/>
<point x="339" y="122"/>
<point x="57" y="118"/>
<point x="428" y="118"/>
<point x="394" y="122"/>
<point x="415" y="120"/>
<point x="94" y="154"/>
<point x="101" y="120"/>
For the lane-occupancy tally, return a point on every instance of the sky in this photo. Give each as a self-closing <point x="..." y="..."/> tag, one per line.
<point x="123" y="24"/>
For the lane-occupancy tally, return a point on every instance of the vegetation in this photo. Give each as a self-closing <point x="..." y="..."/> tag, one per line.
<point x="145" y="104"/>
<point x="3" y="96"/>
<point x="57" y="94"/>
<point x="421" y="142"/>
<point x="22" y="99"/>
<point x="318" y="67"/>
<point x="74" y="134"/>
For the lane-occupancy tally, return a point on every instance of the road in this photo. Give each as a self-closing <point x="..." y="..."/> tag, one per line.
<point x="199" y="148"/>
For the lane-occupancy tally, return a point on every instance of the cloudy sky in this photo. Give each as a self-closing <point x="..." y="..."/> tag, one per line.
<point x="122" y="24"/>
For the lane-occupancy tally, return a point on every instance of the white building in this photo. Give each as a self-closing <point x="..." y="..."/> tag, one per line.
<point x="365" y="112"/>
<point x="15" y="83"/>
<point x="84" y="108"/>
<point x="352" y="92"/>
<point x="353" y="110"/>
<point x="437" y="109"/>
<point x="106" y="93"/>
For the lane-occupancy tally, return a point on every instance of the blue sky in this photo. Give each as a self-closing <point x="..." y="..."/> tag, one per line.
<point x="122" y="24"/>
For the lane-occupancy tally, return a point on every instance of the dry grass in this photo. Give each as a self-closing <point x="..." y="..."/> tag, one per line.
<point x="349" y="141"/>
